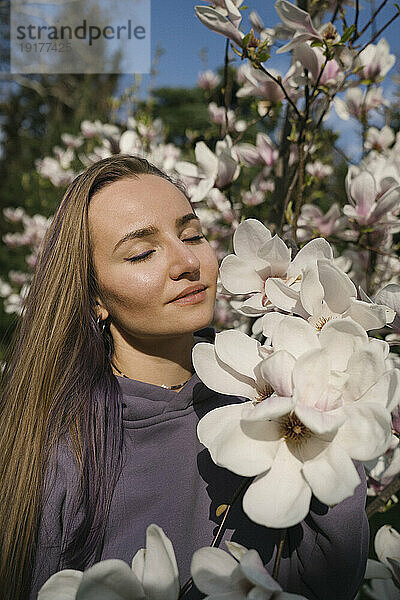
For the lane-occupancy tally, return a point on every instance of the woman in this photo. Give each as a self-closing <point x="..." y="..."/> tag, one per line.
<point x="100" y="403"/>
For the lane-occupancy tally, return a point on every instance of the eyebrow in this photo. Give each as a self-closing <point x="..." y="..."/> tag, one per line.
<point x="151" y="230"/>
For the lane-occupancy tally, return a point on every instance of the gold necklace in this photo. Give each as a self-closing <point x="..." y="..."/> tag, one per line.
<point x="172" y="387"/>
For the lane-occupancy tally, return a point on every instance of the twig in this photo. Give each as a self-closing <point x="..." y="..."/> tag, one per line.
<point x="246" y="481"/>
<point x="370" y="21"/>
<point x="278" y="81"/>
<point x="226" y="62"/>
<point x="378" y="33"/>
<point x="354" y="37"/>
<point x="278" y="556"/>
<point x="253" y="122"/>
<point x="379" y="502"/>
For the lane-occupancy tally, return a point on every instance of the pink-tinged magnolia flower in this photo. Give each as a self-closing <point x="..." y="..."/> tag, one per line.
<point x="258" y="84"/>
<point x="217" y="169"/>
<point x="263" y="153"/>
<point x="239" y="575"/>
<point x="376" y="61"/>
<point x="382" y="470"/>
<point x="356" y="103"/>
<point x="258" y="258"/>
<point x="317" y="401"/>
<point x="326" y="293"/>
<point x="313" y="222"/>
<point x="253" y="197"/>
<point x="319" y="169"/>
<point x="208" y="80"/>
<point x="313" y="59"/>
<point x="225" y="25"/>
<point x="390" y="296"/>
<point x="379" y="139"/>
<point x="367" y="206"/>
<point x="72" y="141"/>
<point x="153" y="575"/>
<point x="218" y="115"/>
<point x="14" y="215"/>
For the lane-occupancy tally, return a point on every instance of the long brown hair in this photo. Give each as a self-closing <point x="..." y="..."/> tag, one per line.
<point x="57" y="385"/>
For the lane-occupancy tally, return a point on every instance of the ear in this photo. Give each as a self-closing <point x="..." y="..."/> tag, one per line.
<point x="101" y="310"/>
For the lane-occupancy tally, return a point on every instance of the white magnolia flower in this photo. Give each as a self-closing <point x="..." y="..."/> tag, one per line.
<point x="376" y="61"/>
<point x="389" y="295"/>
<point x="225" y="25"/>
<point x="357" y="103"/>
<point x="239" y="575"/>
<point x="298" y="21"/>
<point x="385" y="574"/>
<point x="316" y="402"/>
<point x="208" y="80"/>
<point x="217" y="169"/>
<point x="368" y="206"/>
<point x="379" y="139"/>
<point x="257" y="84"/>
<point x="326" y="293"/>
<point x="314" y="60"/>
<point x="258" y="258"/>
<point x="153" y="576"/>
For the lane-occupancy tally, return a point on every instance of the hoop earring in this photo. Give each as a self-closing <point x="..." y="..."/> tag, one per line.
<point x="103" y="324"/>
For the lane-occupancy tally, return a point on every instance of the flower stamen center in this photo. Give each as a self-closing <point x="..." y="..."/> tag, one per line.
<point x="265" y="392"/>
<point x="293" y="430"/>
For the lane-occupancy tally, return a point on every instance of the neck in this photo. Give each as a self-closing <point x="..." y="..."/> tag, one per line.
<point x="160" y="361"/>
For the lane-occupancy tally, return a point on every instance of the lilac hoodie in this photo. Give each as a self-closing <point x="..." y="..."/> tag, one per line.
<point x="168" y="478"/>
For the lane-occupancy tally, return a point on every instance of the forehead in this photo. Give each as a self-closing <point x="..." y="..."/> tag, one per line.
<point x="135" y="203"/>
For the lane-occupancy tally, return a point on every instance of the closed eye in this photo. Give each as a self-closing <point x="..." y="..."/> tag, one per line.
<point x="140" y="257"/>
<point x="195" y="238"/>
<point x="144" y="255"/>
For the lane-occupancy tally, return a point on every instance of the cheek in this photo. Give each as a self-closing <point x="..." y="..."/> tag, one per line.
<point x="134" y="288"/>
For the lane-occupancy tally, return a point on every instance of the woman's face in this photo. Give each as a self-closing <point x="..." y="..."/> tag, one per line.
<point x="148" y="249"/>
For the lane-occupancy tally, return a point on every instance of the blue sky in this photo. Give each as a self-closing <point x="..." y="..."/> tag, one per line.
<point x="176" y="28"/>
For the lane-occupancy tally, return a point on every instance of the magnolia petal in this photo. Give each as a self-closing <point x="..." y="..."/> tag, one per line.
<point x="369" y="316"/>
<point x="211" y="569"/>
<point x="338" y="287"/>
<point x="269" y="409"/>
<point x="218" y="23"/>
<point x="313" y="250"/>
<point x="237" y="550"/>
<point x="311" y="291"/>
<point x="110" y="579"/>
<point x="386" y="391"/>
<point x="253" y="306"/>
<point x="296" y="336"/>
<point x="63" y="584"/>
<point x="389" y="296"/>
<point x="332" y="475"/>
<point x="257" y="593"/>
<point x="281" y="295"/>
<point x="160" y="577"/>
<point x="319" y="421"/>
<point x="220" y="377"/>
<point x="275" y="252"/>
<point x="367" y="431"/>
<point x="242" y="447"/>
<point x="253" y="568"/>
<point x="364" y="369"/>
<point x="363" y="189"/>
<point x="277" y="370"/>
<point x="311" y="377"/>
<point x="341" y="338"/>
<point x="281" y="497"/>
<point x="376" y="570"/>
<point x="238" y="277"/>
<point x="206" y="160"/>
<point x="269" y="323"/>
<point x="387" y="544"/>
<point x="138" y="563"/>
<point x="238" y="351"/>
<point x="248" y="238"/>
<point x="294" y="17"/>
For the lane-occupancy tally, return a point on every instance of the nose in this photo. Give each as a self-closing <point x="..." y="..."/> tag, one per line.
<point x="184" y="263"/>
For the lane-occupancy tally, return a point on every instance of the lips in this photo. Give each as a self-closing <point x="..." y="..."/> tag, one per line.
<point x="189" y="291"/>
